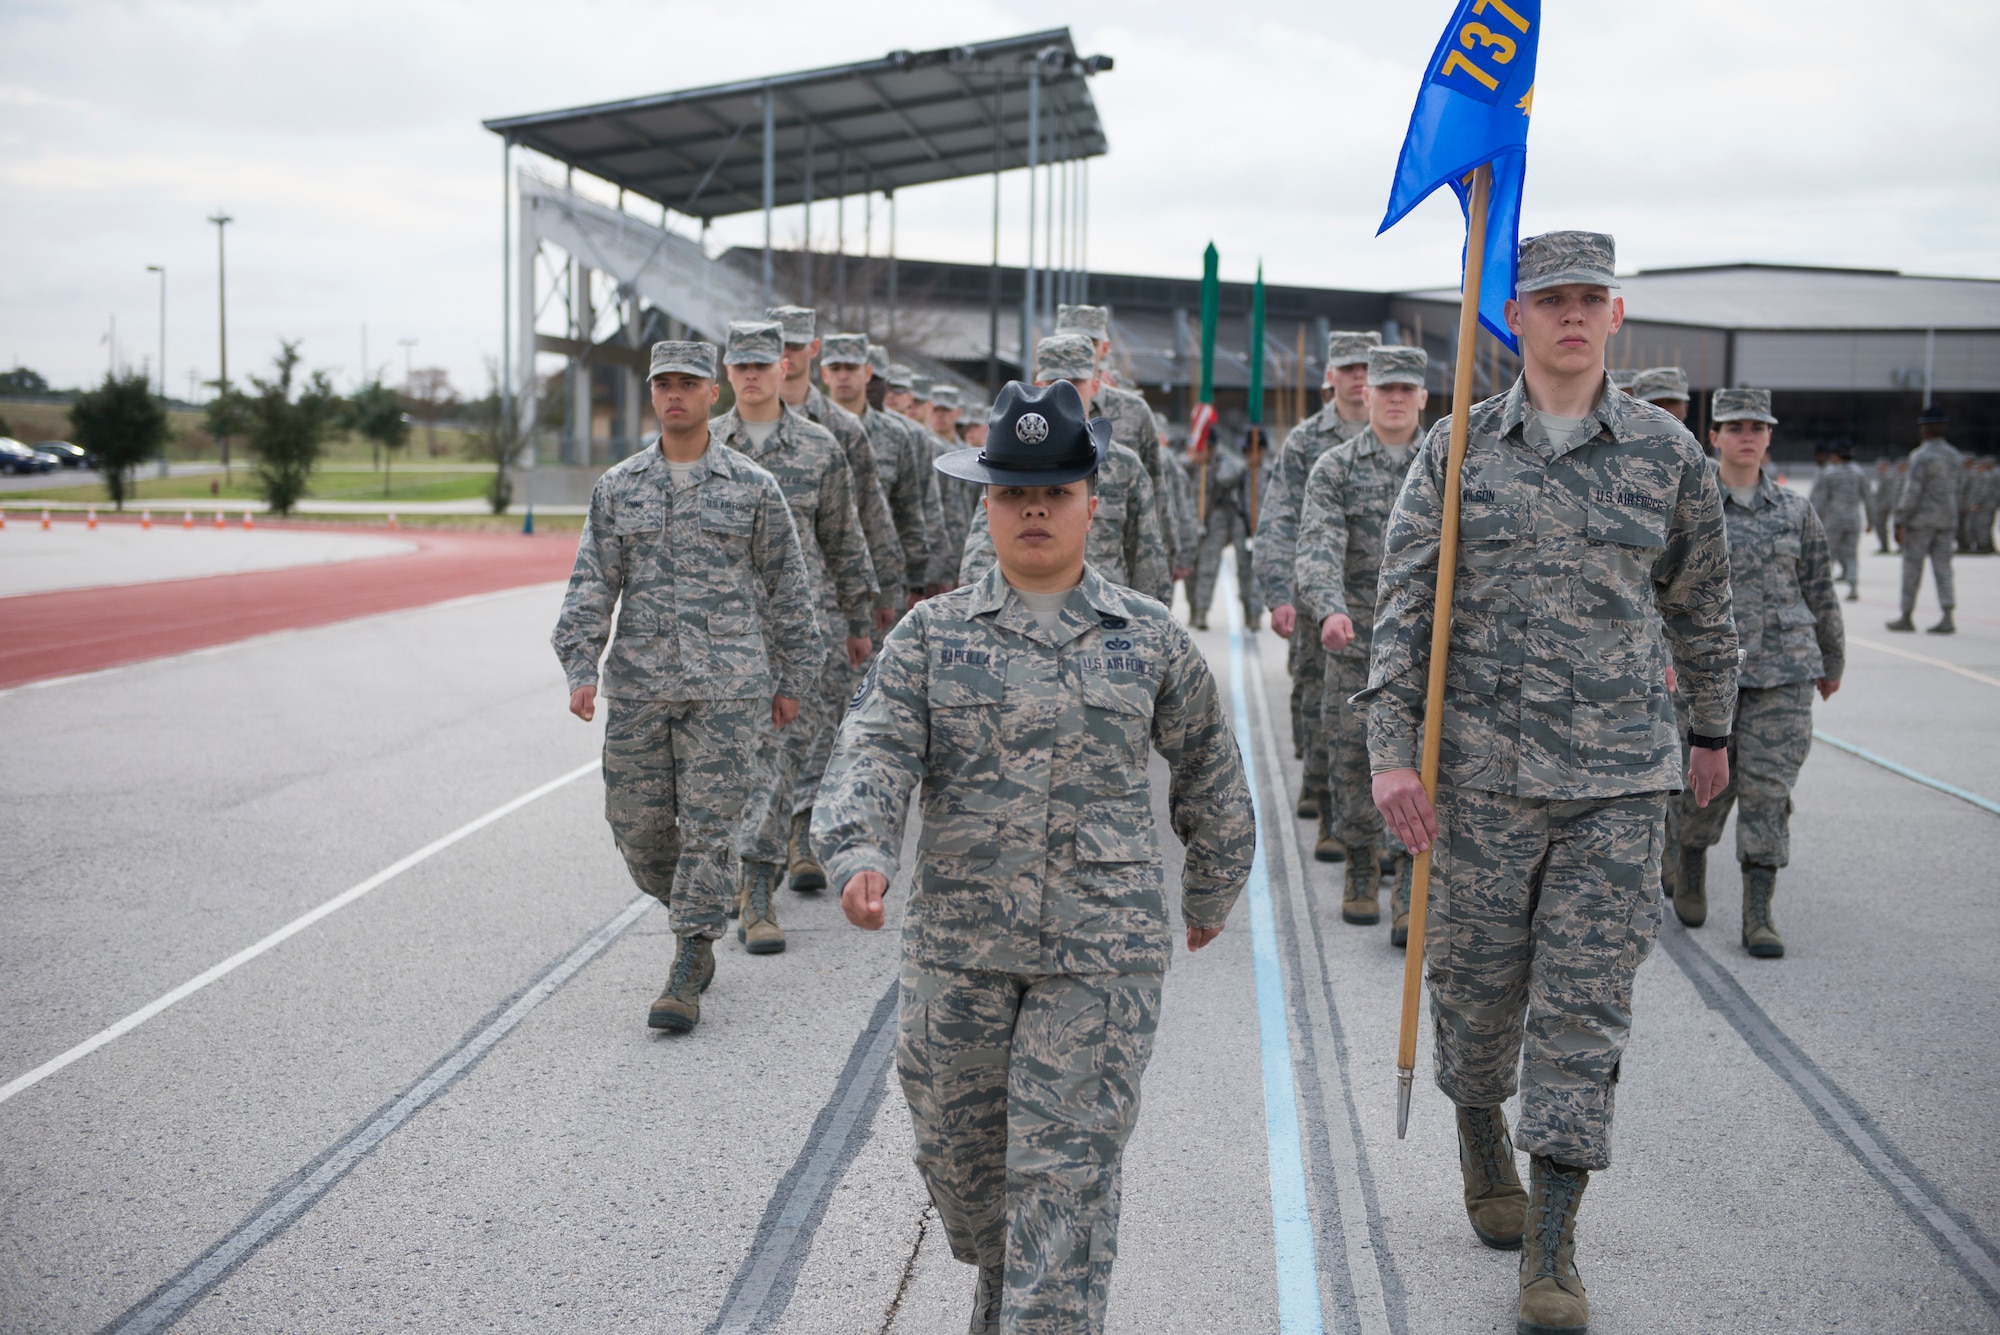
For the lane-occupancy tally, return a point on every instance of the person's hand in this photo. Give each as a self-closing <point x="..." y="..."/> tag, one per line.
<point x="783" y="710"/>
<point x="885" y="617"/>
<point x="1899" y="535"/>
<point x="1201" y="936"/>
<point x="858" y="649"/>
<point x="583" y="702"/>
<point x="1400" y="797"/>
<point x="1708" y="774"/>
<point x="1283" y="618"/>
<point x="1337" y="631"/>
<point x="1827" y="686"/>
<point x="916" y="596"/>
<point x="861" y="900"/>
<point x="936" y="587"/>
<point x="1673" y="680"/>
<point x="1182" y="572"/>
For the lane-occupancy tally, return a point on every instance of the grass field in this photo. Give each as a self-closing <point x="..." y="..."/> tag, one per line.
<point x="328" y="484"/>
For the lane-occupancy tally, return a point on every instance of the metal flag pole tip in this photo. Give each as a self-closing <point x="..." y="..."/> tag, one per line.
<point x="1404" y="1078"/>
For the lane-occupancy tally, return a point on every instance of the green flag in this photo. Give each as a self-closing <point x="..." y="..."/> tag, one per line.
<point x="1211" y="294"/>
<point x="1257" y="348"/>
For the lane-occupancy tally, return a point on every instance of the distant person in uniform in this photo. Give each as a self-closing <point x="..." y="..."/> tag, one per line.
<point x="716" y="644"/>
<point x="1927" y="519"/>
<point x="1839" y="498"/>
<point x="1228" y="525"/>
<point x="1026" y="706"/>
<point x="1665" y="387"/>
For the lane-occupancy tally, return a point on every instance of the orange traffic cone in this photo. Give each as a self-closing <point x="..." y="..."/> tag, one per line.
<point x="145" y="519"/>
<point x="392" y="519"/>
<point x="218" y="521"/>
<point x="3" y="519"/>
<point x="45" y="520"/>
<point x="246" y="519"/>
<point x="187" y="519"/>
<point x="90" y="518"/>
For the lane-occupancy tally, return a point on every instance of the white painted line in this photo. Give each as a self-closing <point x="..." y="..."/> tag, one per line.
<point x="1925" y="659"/>
<point x="283" y="934"/>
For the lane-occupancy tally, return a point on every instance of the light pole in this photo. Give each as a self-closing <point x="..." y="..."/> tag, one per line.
<point x="388" y="462"/>
<point x="161" y="270"/>
<point x="221" y="221"/>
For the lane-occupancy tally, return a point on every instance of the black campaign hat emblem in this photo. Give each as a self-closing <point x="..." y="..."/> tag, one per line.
<point x="1031" y="429"/>
<point x="1037" y="436"/>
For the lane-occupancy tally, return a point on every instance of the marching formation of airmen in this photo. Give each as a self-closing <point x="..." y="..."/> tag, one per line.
<point x="808" y="608"/>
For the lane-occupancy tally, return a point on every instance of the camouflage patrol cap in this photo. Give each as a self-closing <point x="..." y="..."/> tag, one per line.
<point x="1555" y="258"/>
<point x="754" y="343"/>
<point x="1093" y="322"/>
<point x="898" y="375"/>
<point x="847" y="350"/>
<point x="1660" y="382"/>
<point x="1622" y="379"/>
<point x="1065" y="357"/>
<point x="683" y="357"/>
<point x="799" y="321"/>
<point x="878" y="360"/>
<point x="1742" y="405"/>
<point x="1392" y="365"/>
<point x="1348" y="347"/>
<point x="920" y="385"/>
<point x="944" y="396"/>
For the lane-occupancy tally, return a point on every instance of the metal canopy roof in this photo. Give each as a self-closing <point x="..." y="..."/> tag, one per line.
<point x="906" y="119"/>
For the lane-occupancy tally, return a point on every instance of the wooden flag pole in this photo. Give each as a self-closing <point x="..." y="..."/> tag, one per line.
<point x="1447" y="571"/>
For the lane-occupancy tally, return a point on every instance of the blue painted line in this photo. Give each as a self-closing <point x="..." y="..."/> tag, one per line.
<point x="1291" y="1220"/>
<point x="1984" y="804"/>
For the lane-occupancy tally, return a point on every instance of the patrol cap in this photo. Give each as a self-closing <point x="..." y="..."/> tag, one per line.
<point x="1623" y="379"/>
<point x="920" y="385"/>
<point x="1093" y="322"/>
<point x="1660" y="382"/>
<point x="944" y="396"/>
<point x="1065" y="357"/>
<point x="898" y="375"/>
<point x="1555" y="258"/>
<point x="878" y="360"/>
<point x="1348" y="347"/>
<point x="1933" y="416"/>
<point x="846" y="350"/>
<point x="799" y="321"/>
<point x="1393" y="365"/>
<point x="1742" y="405"/>
<point x="683" y="357"/>
<point x="1036" y="436"/>
<point x="754" y="343"/>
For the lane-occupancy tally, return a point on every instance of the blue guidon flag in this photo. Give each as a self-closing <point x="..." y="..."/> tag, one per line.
<point x="1477" y="95"/>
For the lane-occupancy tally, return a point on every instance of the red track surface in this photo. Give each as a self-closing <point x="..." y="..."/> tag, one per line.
<point x="82" y="630"/>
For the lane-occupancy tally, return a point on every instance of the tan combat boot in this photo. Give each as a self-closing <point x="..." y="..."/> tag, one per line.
<point x="1691" y="887"/>
<point x="678" y="1008"/>
<point x="1358" y="901"/>
<point x="807" y="874"/>
<point x="1399" y="901"/>
<point x="1760" y="932"/>
<point x="1495" y="1200"/>
<point x="1552" y="1297"/>
<point x="986" y="1301"/>
<point x="1326" y="845"/>
<point x="757" y="923"/>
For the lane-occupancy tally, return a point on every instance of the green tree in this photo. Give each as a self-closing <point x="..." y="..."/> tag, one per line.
<point x="288" y="428"/>
<point x="123" y="424"/>
<point x="493" y="440"/>
<point x="22" y="383"/>
<point x="377" y="413"/>
<point x="226" y="417"/>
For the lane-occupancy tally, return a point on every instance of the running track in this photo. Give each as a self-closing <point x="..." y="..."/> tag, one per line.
<point x="59" y="634"/>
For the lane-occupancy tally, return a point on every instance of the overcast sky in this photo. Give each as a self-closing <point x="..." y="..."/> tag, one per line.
<point x="345" y="141"/>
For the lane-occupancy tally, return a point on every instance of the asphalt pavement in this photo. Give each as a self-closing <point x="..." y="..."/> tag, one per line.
<point x="436" y="1105"/>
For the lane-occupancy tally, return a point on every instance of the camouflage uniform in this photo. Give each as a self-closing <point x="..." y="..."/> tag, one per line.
<point x="1839" y="498"/>
<point x="1277" y="548"/>
<point x="1583" y="562"/>
<point x="1881" y="503"/>
<point x="1228" y="525"/>
<point x="1789" y="627"/>
<point x="1124" y="542"/>
<point x="716" y="618"/>
<point x="812" y="471"/>
<point x="1927" y="509"/>
<point x="1036" y="936"/>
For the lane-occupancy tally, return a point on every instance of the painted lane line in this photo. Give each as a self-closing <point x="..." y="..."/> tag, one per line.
<point x="283" y="934"/>
<point x="1925" y="659"/>
<point x="168" y="1303"/>
<point x="763" y="1287"/>
<point x="1985" y="804"/>
<point x="1299" y="1310"/>
<point x="1842" y="1117"/>
<point x="1364" y="1269"/>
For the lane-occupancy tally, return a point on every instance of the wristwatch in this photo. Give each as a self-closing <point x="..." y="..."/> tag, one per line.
<point x="1711" y="743"/>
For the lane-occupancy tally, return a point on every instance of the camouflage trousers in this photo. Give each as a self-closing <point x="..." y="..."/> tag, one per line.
<point x="677" y="776"/>
<point x="838" y="682"/>
<point x="1934" y="545"/>
<point x="1540" y="914"/>
<point x="1022" y="1093"/>
<point x="1308" y="664"/>
<point x="1226" y="529"/>
<point x="1356" y="821"/>
<point x="767" y="826"/>
<point x="1769" y="744"/>
<point x="1844" y="542"/>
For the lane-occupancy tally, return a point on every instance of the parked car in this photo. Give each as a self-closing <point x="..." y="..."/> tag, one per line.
<point x="18" y="458"/>
<point x="70" y="456"/>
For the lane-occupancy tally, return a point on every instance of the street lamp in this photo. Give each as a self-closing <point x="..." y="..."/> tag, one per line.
<point x="161" y="270"/>
<point x="221" y="221"/>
